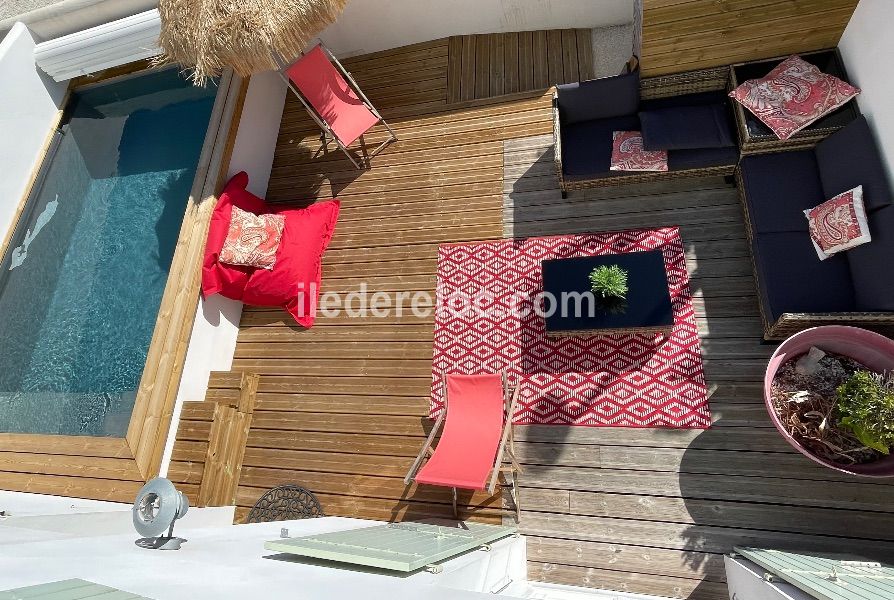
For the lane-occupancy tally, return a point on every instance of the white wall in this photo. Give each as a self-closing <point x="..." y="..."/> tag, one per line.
<point x="29" y="104"/>
<point x="61" y="18"/>
<point x="372" y="25"/>
<point x="867" y="47"/>
<point x="213" y="339"/>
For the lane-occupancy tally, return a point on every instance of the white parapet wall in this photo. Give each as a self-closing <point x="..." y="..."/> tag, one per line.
<point x="373" y="25"/>
<point x="867" y="48"/>
<point x="29" y="107"/>
<point x="213" y="339"/>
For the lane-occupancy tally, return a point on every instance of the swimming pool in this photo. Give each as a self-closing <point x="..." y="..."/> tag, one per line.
<point x="83" y="276"/>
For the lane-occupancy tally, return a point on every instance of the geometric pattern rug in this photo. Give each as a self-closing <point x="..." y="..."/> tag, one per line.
<point x="486" y="322"/>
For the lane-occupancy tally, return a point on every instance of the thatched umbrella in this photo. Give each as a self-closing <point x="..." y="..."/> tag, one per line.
<point x="205" y="36"/>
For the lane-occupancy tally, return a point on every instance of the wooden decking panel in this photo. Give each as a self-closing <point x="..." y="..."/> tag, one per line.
<point x="342" y="407"/>
<point x="651" y="510"/>
<point x="687" y="35"/>
<point x="493" y="64"/>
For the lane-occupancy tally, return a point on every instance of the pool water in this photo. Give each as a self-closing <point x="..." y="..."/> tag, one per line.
<point x="82" y="280"/>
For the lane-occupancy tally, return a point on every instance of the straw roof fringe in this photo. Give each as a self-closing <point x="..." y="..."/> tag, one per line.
<point x="205" y="36"/>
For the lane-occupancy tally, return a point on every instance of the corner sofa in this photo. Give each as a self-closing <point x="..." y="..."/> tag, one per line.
<point x="796" y="289"/>
<point x="585" y="115"/>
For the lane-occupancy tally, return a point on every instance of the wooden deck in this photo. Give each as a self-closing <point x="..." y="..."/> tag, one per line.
<point x="341" y="407"/>
<point x="493" y="64"/>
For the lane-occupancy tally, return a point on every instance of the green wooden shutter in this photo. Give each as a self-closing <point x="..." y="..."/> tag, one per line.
<point x="827" y="577"/>
<point x="68" y="589"/>
<point x="396" y="546"/>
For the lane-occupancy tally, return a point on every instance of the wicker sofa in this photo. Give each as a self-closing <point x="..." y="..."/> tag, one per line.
<point x="585" y="115"/>
<point x="796" y="289"/>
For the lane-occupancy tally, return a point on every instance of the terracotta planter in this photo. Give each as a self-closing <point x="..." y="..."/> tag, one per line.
<point x="869" y="348"/>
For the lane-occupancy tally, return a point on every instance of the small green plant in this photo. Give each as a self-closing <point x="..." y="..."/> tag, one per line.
<point x="609" y="281"/>
<point x="865" y="405"/>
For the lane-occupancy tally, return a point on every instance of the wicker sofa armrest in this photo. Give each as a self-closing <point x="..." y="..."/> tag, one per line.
<point x="557" y="140"/>
<point x="791" y="323"/>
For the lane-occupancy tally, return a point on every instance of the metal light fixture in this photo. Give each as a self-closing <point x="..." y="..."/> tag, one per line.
<point x="157" y="507"/>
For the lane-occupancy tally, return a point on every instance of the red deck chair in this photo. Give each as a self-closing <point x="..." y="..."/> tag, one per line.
<point x="334" y="100"/>
<point x="478" y="435"/>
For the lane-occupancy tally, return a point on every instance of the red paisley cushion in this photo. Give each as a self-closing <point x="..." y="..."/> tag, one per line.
<point x="628" y="153"/>
<point x="793" y="95"/>
<point x="252" y="240"/>
<point x="294" y="281"/>
<point x="838" y="224"/>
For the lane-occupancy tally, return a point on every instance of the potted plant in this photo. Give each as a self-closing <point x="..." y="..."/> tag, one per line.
<point x="609" y="285"/>
<point x="830" y="392"/>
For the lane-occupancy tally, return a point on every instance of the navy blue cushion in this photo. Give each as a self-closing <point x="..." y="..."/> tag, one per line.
<point x="779" y="187"/>
<point x="686" y="127"/>
<point x="850" y="157"/>
<point x="599" y="98"/>
<point x="699" y="158"/>
<point x="792" y="278"/>
<point x="871" y="264"/>
<point x="587" y="146"/>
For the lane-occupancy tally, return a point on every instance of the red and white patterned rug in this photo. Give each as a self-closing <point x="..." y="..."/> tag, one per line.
<point x="485" y="323"/>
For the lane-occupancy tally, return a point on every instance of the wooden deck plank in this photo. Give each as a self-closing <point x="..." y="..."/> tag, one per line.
<point x="467" y="64"/>
<point x="526" y="60"/>
<point x="511" y="64"/>
<point x="497" y="73"/>
<point x="555" y="68"/>
<point x="482" y="65"/>
<point x="570" y="65"/>
<point x="454" y="68"/>
<point x="584" y="54"/>
<point x="541" y="64"/>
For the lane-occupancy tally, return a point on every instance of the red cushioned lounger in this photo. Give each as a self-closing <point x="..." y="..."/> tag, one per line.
<point x="477" y="437"/>
<point x="334" y="100"/>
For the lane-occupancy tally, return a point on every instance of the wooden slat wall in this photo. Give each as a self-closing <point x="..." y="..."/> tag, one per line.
<point x="493" y="64"/>
<point x="342" y="407"/>
<point x="686" y="35"/>
<point x="651" y="510"/>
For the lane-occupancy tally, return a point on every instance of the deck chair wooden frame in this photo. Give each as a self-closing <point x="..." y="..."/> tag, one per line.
<point x="326" y="131"/>
<point x="505" y="451"/>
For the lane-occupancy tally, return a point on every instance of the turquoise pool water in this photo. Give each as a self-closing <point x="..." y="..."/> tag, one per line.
<point x="81" y="283"/>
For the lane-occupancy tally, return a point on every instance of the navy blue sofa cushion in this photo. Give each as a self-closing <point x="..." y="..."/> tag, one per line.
<point x="699" y="158"/>
<point x="599" y="98"/>
<point x="587" y="146"/>
<point x="870" y="264"/>
<point x="791" y="278"/>
<point x="687" y="127"/>
<point x="778" y="188"/>
<point x="850" y="157"/>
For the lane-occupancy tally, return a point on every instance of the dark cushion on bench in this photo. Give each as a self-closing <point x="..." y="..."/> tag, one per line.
<point x="599" y="98"/>
<point x="850" y="157"/>
<point x="699" y="158"/>
<point x="778" y="187"/>
<point x="587" y="146"/>
<point x="871" y="264"/>
<point x="687" y="127"/>
<point x="791" y="278"/>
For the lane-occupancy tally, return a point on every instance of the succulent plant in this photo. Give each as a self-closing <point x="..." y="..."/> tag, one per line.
<point x="609" y="281"/>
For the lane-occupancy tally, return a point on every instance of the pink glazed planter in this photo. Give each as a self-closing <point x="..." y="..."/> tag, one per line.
<point x="866" y="347"/>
